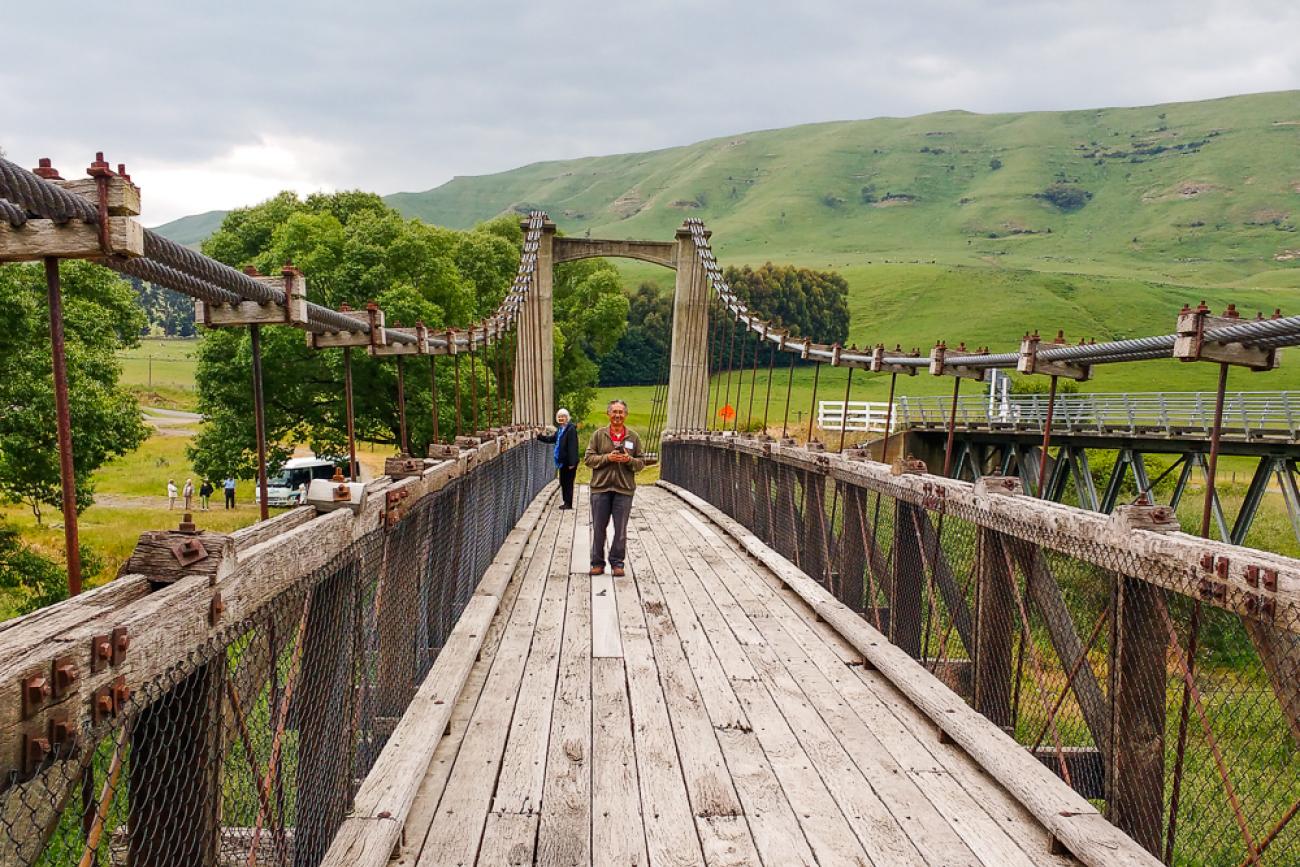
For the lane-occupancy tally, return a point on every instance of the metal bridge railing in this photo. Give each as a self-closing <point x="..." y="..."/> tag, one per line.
<point x="1154" y="672"/>
<point x="240" y="739"/>
<point x="1253" y="414"/>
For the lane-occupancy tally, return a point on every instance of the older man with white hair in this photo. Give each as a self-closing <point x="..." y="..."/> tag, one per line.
<point x="566" y="453"/>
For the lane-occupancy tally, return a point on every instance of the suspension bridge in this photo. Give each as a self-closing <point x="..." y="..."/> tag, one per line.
<point x="815" y="657"/>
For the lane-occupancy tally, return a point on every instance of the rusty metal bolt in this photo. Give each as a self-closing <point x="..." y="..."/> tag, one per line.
<point x="65" y="675"/>
<point x="1161" y="513"/>
<point x="217" y="607"/>
<point x="104" y="704"/>
<point x="121" y="693"/>
<point x="37" y="688"/>
<point x="104" y="649"/>
<point x="187" y="524"/>
<point x="100" y="167"/>
<point x="38" y="749"/>
<point x="61" y="732"/>
<point x="45" y="170"/>
<point x="1207" y="562"/>
<point x="123" y="642"/>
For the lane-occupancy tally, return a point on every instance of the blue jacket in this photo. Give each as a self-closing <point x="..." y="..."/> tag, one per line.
<point x="566" y="445"/>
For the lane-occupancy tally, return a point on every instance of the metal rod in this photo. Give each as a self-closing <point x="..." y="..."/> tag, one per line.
<point x="433" y="390"/>
<point x="405" y="443"/>
<point x="1047" y="439"/>
<point x="889" y="418"/>
<point x="767" y="401"/>
<point x="259" y="417"/>
<point x="457" y="378"/>
<point x="844" y="419"/>
<point x="731" y="357"/>
<point x="740" y="382"/>
<point x="349" y="412"/>
<point x="952" y="426"/>
<point x="753" y="384"/>
<point x="789" y="386"/>
<point x="812" y="410"/>
<point x="63" y="418"/>
<point x="715" y="390"/>
<point x="473" y="383"/>
<point x="1211" y="469"/>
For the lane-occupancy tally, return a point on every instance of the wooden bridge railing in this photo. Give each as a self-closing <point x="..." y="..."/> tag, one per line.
<point x="222" y="705"/>
<point x="1156" y="672"/>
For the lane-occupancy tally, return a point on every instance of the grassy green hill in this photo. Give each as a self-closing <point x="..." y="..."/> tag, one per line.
<point x="1201" y="192"/>
<point x="941" y="225"/>
<point x="192" y="230"/>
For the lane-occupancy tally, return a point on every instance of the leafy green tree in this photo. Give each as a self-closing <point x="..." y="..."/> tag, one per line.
<point x="639" y="357"/>
<point x="809" y="303"/>
<point x="99" y="316"/>
<point x="354" y="249"/>
<point x="30" y="577"/>
<point x="591" y="315"/>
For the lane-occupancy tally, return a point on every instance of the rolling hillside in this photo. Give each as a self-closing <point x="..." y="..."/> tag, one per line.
<point x="969" y="227"/>
<point x="1204" y="192"/>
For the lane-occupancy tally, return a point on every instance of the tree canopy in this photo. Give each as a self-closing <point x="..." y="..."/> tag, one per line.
<point x="99" y="317"/>
<point x="353" y="249"/>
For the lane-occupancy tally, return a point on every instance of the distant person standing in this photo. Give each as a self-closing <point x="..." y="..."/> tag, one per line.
<point x="614" y="455"/>
<point x="188" y="493"/>
<point x="566" y="454"/>
<point x="228" y="486"/>
<point x="205" y="491"/>
<point x="171" y="494"/>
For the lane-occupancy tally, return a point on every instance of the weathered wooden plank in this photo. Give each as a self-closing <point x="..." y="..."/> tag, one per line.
<point x="719" y="820"/>
<point x="564" y="837"/>
<point x="1075" y="823"/>
<point x="618" y="836"/>
<point x="771" y="820"/>
<point x="580" y="561"/>
<point x="605" y="638"/>
<point x="875" y="776"/>
<point x="457" y="827"/>
<point x="520" y="783"/>
<point x="671" y="837"/>
<point x="40" y="239"/>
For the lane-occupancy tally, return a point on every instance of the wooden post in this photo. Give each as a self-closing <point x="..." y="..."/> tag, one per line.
<point x="813" y="542"/>
<point x="175" y="774"/>
<point x="995" y="629"/>
<point x="907" y="581"/>
<point x="852" y="553"/>
<point x="688" y="371"/>
<point x="1137" y="766"/>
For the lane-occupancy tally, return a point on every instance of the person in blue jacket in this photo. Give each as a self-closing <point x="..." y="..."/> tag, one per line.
<point x="566" y="453"/>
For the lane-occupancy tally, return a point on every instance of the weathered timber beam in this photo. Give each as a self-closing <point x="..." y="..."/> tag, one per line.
<point x="41" y="239"/>
<point x="1074" y="823"/>
<point x="121" y="196"/>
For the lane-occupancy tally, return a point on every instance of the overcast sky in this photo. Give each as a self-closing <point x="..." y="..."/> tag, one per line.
<point x="232" y="101"/>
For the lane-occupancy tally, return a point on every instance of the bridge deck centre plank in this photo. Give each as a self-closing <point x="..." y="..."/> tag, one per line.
<point x="731" y="727"/>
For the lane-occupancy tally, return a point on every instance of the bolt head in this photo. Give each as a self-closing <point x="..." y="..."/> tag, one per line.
<point x="38" y="688"/>
<point x="66" y="673"/>
<point x="123" y="642"/>
<point x="104" y="649"/>
<point x="122" y="693"/>
<point x="104" y="703"/>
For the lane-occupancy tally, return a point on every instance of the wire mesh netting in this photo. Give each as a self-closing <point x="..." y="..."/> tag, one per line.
<point x="1178" y="718"/>
<point x="249" y="750"/>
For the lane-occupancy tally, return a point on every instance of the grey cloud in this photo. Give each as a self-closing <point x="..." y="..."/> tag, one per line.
<point x="412" y="93"/>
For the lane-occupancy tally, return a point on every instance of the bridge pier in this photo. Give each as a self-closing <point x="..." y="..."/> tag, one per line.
<point x="688" y="376"/>
<point x="534" y="392"/>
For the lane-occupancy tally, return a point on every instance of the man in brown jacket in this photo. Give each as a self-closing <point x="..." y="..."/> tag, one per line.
<point x="615" y="457"/>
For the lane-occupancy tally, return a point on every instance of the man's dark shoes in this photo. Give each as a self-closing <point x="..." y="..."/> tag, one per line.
<point x="597" y="570"/>
<point x="564" y="508"/>
<point x="618" y="572"/>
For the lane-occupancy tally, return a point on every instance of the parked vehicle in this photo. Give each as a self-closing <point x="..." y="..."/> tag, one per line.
<point x="289" y="487"/>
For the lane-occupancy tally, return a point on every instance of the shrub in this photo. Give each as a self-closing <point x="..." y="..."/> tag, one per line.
<point x="995" y="164"/>
<point x="1066" y="197"/>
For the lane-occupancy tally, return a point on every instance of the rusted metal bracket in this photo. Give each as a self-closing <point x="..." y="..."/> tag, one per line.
<point x="1001" y="486"/>
<point x="908" y="466"/>
<point x="403" y="467"/>
<point x="189" y="552"/>
<point x="1030" y="363"/>
<point x="1193" y="344"/>
<point x="879" y="365"/>
<point x="939" y="367"/>
<point x="395" y="506"/>
<point x="64" y="675"/>
<point x="36" y="691"/>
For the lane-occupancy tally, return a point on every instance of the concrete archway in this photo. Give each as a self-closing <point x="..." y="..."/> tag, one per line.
<point x="688" y="377"/>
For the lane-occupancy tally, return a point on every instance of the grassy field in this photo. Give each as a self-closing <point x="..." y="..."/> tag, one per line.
<point x="160" y="372"/>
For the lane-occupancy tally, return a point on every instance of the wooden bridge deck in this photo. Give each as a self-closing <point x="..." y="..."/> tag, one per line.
<point x="694" y="712"/>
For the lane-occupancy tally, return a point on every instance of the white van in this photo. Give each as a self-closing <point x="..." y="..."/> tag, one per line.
<point x="289" y="487"/>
